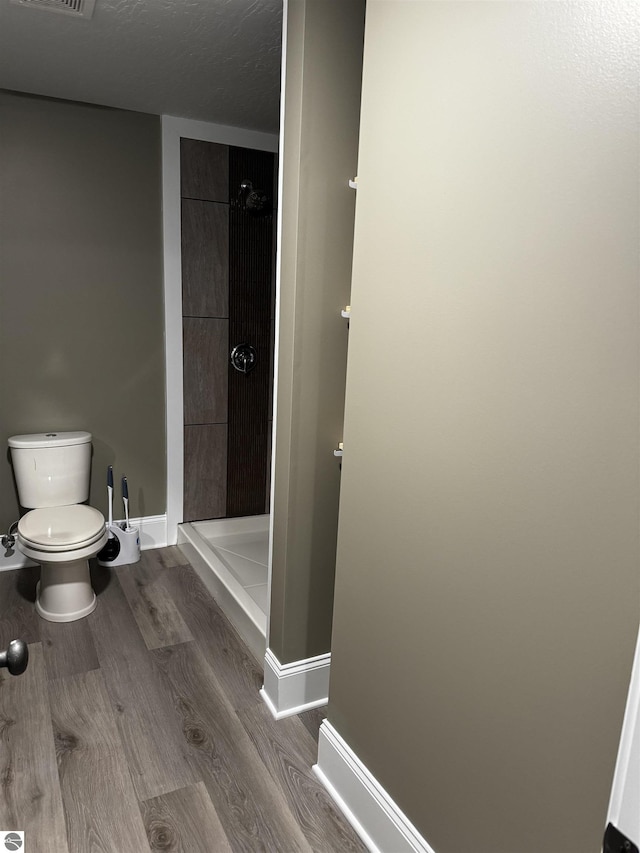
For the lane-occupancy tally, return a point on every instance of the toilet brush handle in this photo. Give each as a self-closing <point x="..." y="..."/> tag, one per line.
<point x="16" y="657"/>
<point x="125" y="501"/>
<point x="110" y="497"/>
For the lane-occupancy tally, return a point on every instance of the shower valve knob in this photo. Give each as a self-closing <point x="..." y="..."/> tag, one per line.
<point x="243" y="358"/>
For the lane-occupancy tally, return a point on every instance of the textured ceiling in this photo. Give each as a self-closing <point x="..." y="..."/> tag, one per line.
<point x="212" y="60"/>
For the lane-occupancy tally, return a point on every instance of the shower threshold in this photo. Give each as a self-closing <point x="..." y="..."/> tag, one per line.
<point x="230" y="555"/>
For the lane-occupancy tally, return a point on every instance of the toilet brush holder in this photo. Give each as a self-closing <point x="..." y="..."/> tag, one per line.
<point x="124" y="550"/>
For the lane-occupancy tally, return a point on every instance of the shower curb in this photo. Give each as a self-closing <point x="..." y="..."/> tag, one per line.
<point x="239" y="608"/>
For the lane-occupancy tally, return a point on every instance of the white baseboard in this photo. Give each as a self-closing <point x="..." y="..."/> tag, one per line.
<point x="376" y="818"/>
<point x="153" y="531"/>
<point x="291" y="688"/>
<point x="153" y="534"/>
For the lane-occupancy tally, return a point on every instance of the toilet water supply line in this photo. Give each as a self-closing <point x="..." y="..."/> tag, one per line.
<point x="9" y="540"/>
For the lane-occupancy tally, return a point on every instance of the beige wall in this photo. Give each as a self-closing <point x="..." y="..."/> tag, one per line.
<point x="319" y="155"/>
<point x="487" y="586"/>
<point x="81" y="324"/>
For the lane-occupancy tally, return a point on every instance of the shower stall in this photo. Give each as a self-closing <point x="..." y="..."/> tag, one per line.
<point x="228" y="205"/>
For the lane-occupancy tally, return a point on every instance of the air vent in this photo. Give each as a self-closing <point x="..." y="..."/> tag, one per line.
<point x="76" y="8"/>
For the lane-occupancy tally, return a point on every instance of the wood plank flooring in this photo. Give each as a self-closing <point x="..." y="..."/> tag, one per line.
<point x="140" y="728"/>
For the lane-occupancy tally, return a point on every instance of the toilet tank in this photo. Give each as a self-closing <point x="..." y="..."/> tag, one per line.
<point x="51" y="469"/>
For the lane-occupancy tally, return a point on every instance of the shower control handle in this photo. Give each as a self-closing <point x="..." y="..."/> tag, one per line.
<point x="16" y="657"/>
<point x="244" y="358"/>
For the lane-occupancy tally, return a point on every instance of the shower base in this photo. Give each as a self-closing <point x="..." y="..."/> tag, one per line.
<point x="230" y="555"/>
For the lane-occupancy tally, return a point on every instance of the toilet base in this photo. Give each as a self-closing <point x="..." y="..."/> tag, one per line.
<point x="64" y="592"/>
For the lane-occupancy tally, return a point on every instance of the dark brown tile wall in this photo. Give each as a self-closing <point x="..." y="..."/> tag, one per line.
<point x="251" y="250"/>
<point x="228" y="275"/>
<point x="205" y="308"/>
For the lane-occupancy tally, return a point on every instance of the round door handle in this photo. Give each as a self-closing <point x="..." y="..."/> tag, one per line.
<point x="16" y="657"/>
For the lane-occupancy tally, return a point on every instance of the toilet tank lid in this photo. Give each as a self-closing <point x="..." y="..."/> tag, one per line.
<point x="50" y="439"/>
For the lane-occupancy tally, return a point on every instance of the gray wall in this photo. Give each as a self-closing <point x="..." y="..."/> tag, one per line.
<point x="319" y="155"/>
<point x="81" y="322"/>
<point x="487" y="589"/>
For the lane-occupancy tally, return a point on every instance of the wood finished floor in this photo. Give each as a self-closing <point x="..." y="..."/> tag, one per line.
<point x="140" y="728"/>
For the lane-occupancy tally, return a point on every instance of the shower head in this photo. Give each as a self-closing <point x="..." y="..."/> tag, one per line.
<point x="254" y="201"/>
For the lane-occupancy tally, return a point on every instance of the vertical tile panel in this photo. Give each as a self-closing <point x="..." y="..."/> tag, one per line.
<point x="248" y="425"/>
<point x="206" y="347"/>
<point x="251" y="246"/>
<point x="205" y="471"/>
<point x="251" y="238"/>
<point x="204" y="170"/>
<point x="205" y="259"/>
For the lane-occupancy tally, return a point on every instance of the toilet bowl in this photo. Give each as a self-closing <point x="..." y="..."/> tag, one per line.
<point x="62" y="540"/>
<point x="52" y="473"/>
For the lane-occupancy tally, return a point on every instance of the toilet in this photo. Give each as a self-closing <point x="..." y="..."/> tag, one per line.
<point x="60" y="532"/>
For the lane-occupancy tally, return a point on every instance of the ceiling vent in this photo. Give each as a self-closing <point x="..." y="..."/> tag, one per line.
<point x="76" y="8"/>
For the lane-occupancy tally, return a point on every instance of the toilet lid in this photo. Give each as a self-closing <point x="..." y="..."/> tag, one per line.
<point x="59" y="527"/>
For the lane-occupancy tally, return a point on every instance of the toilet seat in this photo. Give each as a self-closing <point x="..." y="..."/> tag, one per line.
<point x="55" y="534"/>
<point x="61" y="528"/>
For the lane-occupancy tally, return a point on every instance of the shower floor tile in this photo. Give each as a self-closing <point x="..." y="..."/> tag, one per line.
<point x="240" y="547"/>
<point x="251" y="546"/>
<point x="259" y="595"/>
<point x="247" y="572"/>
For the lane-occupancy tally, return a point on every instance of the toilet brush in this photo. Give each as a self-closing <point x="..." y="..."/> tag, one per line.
<point x="112" y="546"/>
<point x="127" y="537"/>
<point x="125" y="501"/>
